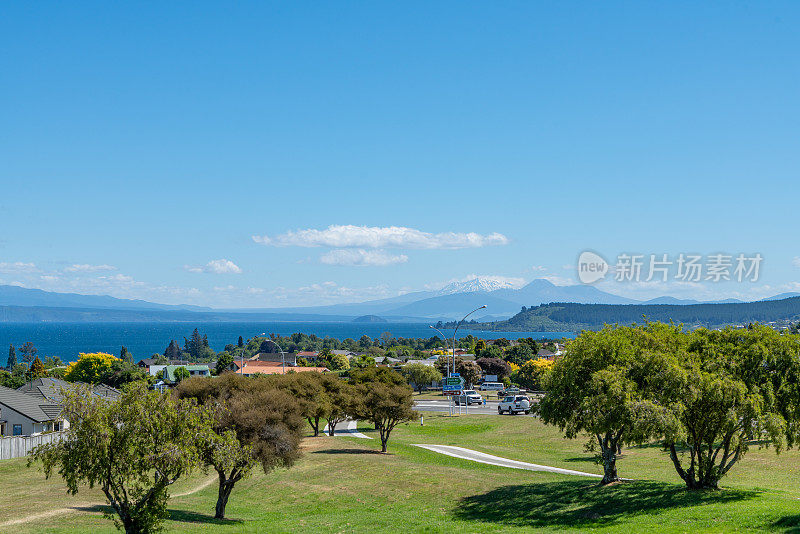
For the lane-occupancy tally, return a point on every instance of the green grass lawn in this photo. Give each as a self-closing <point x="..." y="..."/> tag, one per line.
<point x="343" y="485"/>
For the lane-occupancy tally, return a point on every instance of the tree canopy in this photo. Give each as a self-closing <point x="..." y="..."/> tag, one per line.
<point x="133" y="448"/>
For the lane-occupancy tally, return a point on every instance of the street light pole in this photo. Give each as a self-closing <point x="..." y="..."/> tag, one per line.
<point x="283" y="356"/>
<point x="444" y="338"/>
<point x="456" y="331"/>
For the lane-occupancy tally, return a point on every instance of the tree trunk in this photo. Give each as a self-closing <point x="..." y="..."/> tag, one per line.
<point x="224" y="492"/>
<point x="608" y="454"/>
<point x="332" y="427"/>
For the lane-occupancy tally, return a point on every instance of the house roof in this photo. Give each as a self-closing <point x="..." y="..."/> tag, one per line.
<point x="255" y="363"/>
<point x="306" y="353"/>
<point x="49" y="389"/>
<point x="31" y="406"/>
<point x="276" y="370"/>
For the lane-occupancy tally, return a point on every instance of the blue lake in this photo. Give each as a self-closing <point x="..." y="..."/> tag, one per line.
<point x="68" y="340"/>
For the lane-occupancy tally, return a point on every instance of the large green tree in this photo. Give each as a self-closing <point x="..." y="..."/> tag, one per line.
<point x="735" y="386"/>
<point x="133" y="448"/>
<point x="385" y="405"/>
<point x="604" y="386"/>
<point x="420" y="375"/>
<point x="255" y="422"/>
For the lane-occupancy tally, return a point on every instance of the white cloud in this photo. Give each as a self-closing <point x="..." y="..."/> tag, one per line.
<point x="351" y="236"/>
<point x="17" y="267"/>
<point x="360" y="257"/>
<point x="221" y="266"/>
<point x="796" y="261"/>
<point x="538" y="268"/>
<point x="87" y="268"/>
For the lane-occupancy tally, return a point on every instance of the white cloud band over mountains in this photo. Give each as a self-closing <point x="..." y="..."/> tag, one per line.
<point x="351" y="236"/>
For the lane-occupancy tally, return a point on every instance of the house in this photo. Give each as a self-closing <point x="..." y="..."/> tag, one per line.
<point x="290" y="358"/>
<point x="544" y="353"/>
<point x="49" y="389"/>
<point x="309" y="355"/>
<point x="22" y="414"/>
<point x="146" y="363"/>
<point x="423" y="362"/>
<point x="387" y="360"/>
<point x="167" y="372"/>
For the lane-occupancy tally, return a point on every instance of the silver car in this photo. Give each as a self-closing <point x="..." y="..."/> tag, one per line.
<point x="469" y="397"/>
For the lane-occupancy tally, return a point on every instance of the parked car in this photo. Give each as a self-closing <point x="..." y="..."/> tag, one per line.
<point x="510" y="391"/>
<point x="491" y="386"/>
<point x="514" y="404"/>
<point x="469" y="397"/>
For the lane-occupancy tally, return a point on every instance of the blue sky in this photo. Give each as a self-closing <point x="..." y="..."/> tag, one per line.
<point x="144" y="146"/>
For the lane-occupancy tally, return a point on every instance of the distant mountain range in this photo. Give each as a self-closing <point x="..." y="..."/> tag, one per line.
<point x="502" y="299"/>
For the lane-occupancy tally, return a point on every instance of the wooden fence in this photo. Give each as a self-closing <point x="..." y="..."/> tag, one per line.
<point x="19" y="446"/>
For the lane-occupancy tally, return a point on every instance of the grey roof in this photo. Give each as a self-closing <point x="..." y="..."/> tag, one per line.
<point x="49" y="389"/>
<point x="31" y="406"/>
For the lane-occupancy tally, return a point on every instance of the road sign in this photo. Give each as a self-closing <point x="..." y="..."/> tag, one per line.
<point x="452" y="385"/>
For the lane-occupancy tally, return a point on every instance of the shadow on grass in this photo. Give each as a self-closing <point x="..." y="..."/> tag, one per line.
<point x="583" y="504"/>
<point x="348" y="451"/>
<point x="585" y="459"/>
<point x="790" y="523"/>
<point x="183" y="516"/>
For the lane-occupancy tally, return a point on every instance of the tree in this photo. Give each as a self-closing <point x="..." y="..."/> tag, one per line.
<point x="240" y="344"/>
<point x="12" y="357"/>
<point x="134" y="448"/>
<point x="224" y="361"/>
<point x="342" y="399"/>
<point x="122" y="372"/>
<point x="421" y="375"/>
<point x="37" y="369"/>
<point x="494" y="366"/>
<point x="469" y="371"/>
<point x="173" y="351"/>
<point x="604" y="386"/>
<point x="312" y="396"/>
<point x="181" y="373"/>
<point x="492" y="351"/>
<point x="338" y="362"/>
<point x="28" y="352"/>
<point x="363" y="361"/>
<point x="731" y="387"/>
<point x="520" y="354"/>
<point x="90" y="367"/>
<point x="386" y="338"/>
<point x="376" y="374"/>
<point x="124" y="355"/>
<point x="52" y="361"/>
<point x="531" y="374"/>
<point x="480" y="346"/>
<point x="254" y="423"/>
<point x="385" y="405"/>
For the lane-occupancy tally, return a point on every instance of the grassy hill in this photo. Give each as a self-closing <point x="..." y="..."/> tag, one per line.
<point x="343" y="484"/>
<point x="560" y="317"/>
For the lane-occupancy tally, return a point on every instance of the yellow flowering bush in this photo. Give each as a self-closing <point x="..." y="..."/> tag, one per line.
<point x="90" y="367"/>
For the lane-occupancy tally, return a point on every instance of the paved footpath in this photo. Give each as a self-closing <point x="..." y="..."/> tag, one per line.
<point x="481" y="457"/>
<point x="347" y="428"/>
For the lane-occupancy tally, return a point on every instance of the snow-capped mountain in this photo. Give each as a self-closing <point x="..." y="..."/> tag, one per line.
<point x="478" y="284"/>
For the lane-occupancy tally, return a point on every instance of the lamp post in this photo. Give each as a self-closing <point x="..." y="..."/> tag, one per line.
<point x="456" y="331"/>
<point x="444" y="337"/>
<point x="450" y="397"/>
<point x="283" y="356"/>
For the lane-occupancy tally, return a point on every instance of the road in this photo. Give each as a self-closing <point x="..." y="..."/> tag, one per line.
<point x="490" y="408"/>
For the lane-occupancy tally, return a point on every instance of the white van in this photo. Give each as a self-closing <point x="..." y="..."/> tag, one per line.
<point x="492" y="386"/>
